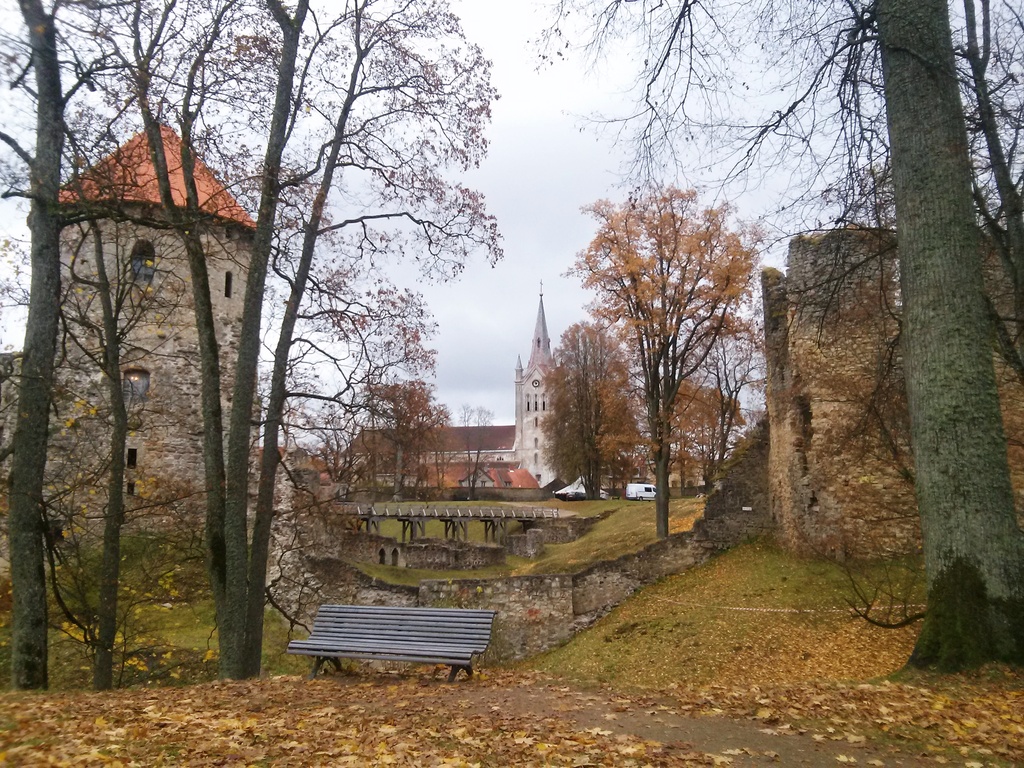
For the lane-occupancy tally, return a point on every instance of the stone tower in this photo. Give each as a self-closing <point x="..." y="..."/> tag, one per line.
<point x="839" y="461"/>
<point x="150" y="316"/>
<point x="532" y="401"/>
<point x="840" y="468"/>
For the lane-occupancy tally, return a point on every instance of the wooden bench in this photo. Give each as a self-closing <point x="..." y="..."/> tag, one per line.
<point x="387" y="633"/>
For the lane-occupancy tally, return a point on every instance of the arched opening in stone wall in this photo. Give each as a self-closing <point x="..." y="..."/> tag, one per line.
<point x="394" y="556"/>
<point x="383" y="556"/>
<point x="135" y="386"/>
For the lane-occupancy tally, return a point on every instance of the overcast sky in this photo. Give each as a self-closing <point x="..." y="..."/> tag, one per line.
<point x="544" y="164"/>
<point x="542" y="168"/>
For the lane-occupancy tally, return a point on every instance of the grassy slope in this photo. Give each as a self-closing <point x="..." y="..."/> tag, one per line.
<point x="754" y="615"/>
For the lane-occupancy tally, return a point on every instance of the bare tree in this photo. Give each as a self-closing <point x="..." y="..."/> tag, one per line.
<point x="474" y="421"/>
<point x="387" y="110"/>
<point x="710" y="408"/>
<point x="50" y="72"/>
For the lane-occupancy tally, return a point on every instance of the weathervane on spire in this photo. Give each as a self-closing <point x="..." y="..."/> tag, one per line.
<point x="542" y="289"/>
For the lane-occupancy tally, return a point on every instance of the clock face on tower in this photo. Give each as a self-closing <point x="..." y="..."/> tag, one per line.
<point x="536" y="383"/>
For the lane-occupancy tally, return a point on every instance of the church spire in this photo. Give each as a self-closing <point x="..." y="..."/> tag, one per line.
<point x="540" y="351"/>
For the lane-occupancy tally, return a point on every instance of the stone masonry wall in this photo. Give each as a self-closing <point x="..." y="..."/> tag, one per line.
<point x="164" y="445"/>
<point x="529" y="544"/>
<point x="436" y="554"/>
<point x="839" y="459"/>
<point x="561" y="530"/>
<point x="738" y="507"/>
<point x="534" y="612"/>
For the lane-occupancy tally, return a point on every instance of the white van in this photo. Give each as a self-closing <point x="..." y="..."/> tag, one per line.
<point x="640" y="492"/>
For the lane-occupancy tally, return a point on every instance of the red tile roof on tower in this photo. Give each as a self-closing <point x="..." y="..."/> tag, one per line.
<point x="127" y="175"/>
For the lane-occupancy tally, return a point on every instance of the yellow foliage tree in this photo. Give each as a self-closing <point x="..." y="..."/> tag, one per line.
<point x="672" y="276"/>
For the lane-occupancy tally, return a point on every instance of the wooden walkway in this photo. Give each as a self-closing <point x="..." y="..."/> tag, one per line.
<point x="456" y="519"/>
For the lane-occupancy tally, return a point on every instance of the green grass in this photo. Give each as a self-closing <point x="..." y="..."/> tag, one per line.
<point x="410" y="577"/>
<point x="629" y="527"/>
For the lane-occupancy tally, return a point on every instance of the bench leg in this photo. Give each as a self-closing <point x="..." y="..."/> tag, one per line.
<point x="455" y="671"/>
<point x="319" y="661"/>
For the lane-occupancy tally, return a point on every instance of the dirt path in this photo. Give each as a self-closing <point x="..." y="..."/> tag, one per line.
<point x="723" y="740"/>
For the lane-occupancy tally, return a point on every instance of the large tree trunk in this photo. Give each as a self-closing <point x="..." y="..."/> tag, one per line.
<point x="974" y="549"/>
<point x="249" y="348"/>
<point x="222" y="559"/>
<point x="26" y="515"/>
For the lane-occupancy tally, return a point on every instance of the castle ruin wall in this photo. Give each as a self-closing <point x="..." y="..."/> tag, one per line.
<point x="839" y="469"/>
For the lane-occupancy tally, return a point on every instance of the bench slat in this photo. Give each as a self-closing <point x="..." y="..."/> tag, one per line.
<point x="387" y="623"/>
<point x="409" y="620"/>
<point x="325" y="649"/>
<point x="427" y="631"/>
<point x="445" y="614"/>
<point x="371" y="641"/>
<point x="478" y="645"/>
<point x="409" y="658"/>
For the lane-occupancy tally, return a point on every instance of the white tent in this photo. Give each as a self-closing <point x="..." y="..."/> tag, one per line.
<point x="574" y="490"/>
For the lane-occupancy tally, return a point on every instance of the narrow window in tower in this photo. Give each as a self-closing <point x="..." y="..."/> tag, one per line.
<point x="535" y="420"/>
<point x="135" y="386"/>
<point x="527" y="404"/>
<point x="227" y="284"/>
<point x="143" y="262"/>
<point x="130" y="488"/>
<point x="132" y="458"/>
<point x="535" y="442"/>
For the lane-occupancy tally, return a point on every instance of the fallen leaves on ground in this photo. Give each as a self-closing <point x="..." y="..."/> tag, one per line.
<point x="978" y="716"/>
<point x="753" y="616"/>
<point x="288" y="721"/>
<point x="505" y="718"/>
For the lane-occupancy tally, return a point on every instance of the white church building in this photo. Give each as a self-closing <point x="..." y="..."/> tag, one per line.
<point x="532" y="402"/>
<point x="512" y="455"/>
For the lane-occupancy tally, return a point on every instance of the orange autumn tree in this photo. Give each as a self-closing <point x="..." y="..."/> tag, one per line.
<point x="590" y="430"/>
<point x="409" y="422"/>
<point x="671" y="275"/>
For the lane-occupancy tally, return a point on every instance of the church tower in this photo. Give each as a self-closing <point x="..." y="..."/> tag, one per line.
<point x="532" y="401"/>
